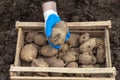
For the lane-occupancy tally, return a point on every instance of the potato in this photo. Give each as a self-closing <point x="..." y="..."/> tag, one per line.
<point x="36" y="46"/>
<point x="54" y="62"/>
<point x="77" y="50"/>
<point x="100" y="54"/>
<point x="48" y="59"/>
<point x="97" y="65"/>
<point x="59" y="33"/>
<point x="40" y="63"/>
<point x="84" y="37"/>
<point x="99" y="42"/>
<point x="72" y="64"/>
<point x="62" y="25"/>
<point x="28" y="53"/>
<point x="48" y="51"/>
<point x="69" y="56"/>
<point x="87" y="66"/>
<point x="57" y="63"/>
<point x="88" y="45"/>
<point x="60" y="54"/>
<point x="85" y="58"/>
<point x="30" y="36"/>
<point x="74" y="40"/>
<point x="56" y="74"/>
<point x="64" y="47"/>
<point x="94" y="60"/>
<point x="40" y="39"/>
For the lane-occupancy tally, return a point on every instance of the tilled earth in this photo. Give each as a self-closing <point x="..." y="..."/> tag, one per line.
<point x="69" y="10"/>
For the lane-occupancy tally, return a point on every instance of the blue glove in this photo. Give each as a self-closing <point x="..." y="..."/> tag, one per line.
<point x="51" y="18"/>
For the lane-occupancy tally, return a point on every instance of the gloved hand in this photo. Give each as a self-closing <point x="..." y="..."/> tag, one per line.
<point x="51" y="18"/>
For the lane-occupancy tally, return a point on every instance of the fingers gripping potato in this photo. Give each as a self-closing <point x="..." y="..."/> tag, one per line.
<point x="59" y="33"/>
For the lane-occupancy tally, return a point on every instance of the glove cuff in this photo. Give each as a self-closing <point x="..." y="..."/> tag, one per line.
<point x="49" y="12"/>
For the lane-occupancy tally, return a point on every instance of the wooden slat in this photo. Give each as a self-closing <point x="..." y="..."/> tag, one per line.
<point x="75" y="25"/>
<point x="20" y="43"/>
<point x="58" y="78"/>
<point x="64" y="70"/>
<point x="107" y="47"/>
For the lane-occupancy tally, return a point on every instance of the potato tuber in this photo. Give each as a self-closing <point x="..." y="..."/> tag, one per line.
<point x="100" y="54"/>
<point x="48" y="51"/>
<point x="56" y="74"/>
<point x="74" y="40"/>
<point x="94" y="60"/>
<point x="64" y="47"/>
<point x="54" y="62"/>
<point x="85" y="58"/>
<point x="60" y="54"/>
<point x="59" y="33"/>
<point x="77" y="50"/>
<point x="40" y="39"/>
<point x="72" y="64"/>
<point x="99" y="42"/>
<point x="30" y="36"/>
<point x="57" y="63"/>
<point x="69" y="56"/>
<point x="28" y="52"/>
<point x="87" y="66"/>
<point x="40" y="63"/>
<point x="88" y="45"/>
<point x="84" y="37"/>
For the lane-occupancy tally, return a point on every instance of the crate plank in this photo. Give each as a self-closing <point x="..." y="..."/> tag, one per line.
<point x="74" y="25"/>
<point x="57" y="78"/>
<point x="107" y="47"/>
<point x="64" y="70"/>
<point x="20" y="43"/>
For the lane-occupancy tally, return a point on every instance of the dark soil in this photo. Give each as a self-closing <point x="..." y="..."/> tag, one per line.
<point x="69" y="10"/>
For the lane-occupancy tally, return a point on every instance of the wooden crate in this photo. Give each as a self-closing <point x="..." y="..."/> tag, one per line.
<point x="95" y="28"/>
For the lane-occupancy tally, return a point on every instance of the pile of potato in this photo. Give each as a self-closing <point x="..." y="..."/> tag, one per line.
<point x="80" y="51"/>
